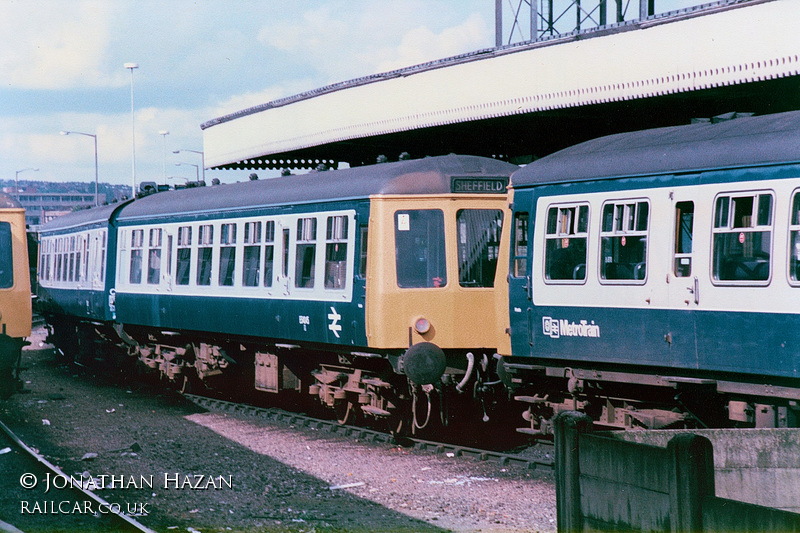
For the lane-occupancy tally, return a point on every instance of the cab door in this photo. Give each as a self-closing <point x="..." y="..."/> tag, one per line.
<point x="520" y="285"/>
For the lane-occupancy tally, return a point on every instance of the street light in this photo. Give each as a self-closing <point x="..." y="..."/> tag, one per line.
<point x="202" y="159"/>
<point x="131" y="67"/>
<point x="16" y="179"/>
<point x="96" y="176"/>
<point x="164" y="134"/>
<point x="196" y="169"/>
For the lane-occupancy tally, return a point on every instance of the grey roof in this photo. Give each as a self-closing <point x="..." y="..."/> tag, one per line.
<point x="421" y="176"/>
<point x="743" y="141"/>
<point x="84" y="217"/>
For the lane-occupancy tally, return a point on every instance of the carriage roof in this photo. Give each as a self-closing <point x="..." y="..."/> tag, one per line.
<point x="743" y="141"/>
<point x="431" y="175"/>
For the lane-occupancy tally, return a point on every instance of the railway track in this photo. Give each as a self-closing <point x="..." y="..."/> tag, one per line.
<point x="371" y="435"/>
<point x="41" y="494"/>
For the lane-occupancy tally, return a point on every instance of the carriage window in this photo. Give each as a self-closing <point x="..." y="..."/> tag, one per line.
<point x="6" y="257"/>
<point x="154" y="257"/>
<point x="478" y="246"/>
<point x="794" y="239"/>
<point x="623" y="241"/>
<point x="72" y="259"/>
<point x="684" y="224"/>
<point x="184" y="255"/>
<point x="420" y="248"/>
<point x="565" y="243"/>
<point x="205" y="240"/>
<point x="252" y="254"/>
<point x="305" y="253"/>
<point x="336" y="252"/>
<point x="742" y="237"/>
<point x="137" y="240"/>
<point x="103" y="239"/>
<point x="227" y="254"/>
<point x="269" y="252"/>
<point x="520" y="266"/>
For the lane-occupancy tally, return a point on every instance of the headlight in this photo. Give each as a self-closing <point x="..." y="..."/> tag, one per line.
<point x="422" y="326"/>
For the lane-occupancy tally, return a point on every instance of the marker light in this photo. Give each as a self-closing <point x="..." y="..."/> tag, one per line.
<point x="422" y="326"/>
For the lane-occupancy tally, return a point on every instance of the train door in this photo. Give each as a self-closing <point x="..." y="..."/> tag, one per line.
<point x="684" y="282"/>
<point x="520" y="285"/>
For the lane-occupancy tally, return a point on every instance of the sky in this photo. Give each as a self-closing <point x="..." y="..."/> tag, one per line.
<point x="62" y="69"/>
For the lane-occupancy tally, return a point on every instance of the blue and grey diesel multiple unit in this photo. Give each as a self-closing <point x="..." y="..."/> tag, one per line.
<point x="340" y="283"/>
<point x="655" y="277"/>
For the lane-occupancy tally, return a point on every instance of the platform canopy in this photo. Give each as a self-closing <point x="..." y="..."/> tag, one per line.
<point x="523" y="101"/>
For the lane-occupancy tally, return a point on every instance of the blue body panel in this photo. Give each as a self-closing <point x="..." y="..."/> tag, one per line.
<point x="701" y="341"/>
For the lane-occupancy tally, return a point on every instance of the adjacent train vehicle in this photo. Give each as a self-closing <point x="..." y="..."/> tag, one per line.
<point x="367" y="287"/>
<point x="15" y="293"/>
<point x="655" y="277"/>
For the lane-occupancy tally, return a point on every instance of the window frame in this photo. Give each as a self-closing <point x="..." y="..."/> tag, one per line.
<point x="732" y="229"/>
<point x="624" y="224"/>
<point x="560" y="207"/>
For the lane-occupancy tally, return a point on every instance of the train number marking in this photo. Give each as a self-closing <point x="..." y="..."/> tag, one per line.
<point x="334" y="326"/>
<point x="305" y="321"/>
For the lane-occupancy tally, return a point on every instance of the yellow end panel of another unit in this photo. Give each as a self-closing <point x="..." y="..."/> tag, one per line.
<point x="15" y="288"/>
<point x="436" y="271"/>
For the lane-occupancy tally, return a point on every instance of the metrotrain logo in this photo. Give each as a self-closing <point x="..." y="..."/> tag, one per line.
<point x="556" y="328"/>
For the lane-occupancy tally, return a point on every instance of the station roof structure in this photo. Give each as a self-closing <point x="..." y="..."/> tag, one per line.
<point x="523" y="101"/>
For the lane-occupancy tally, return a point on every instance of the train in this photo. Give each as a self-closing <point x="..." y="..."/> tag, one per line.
<point x="15" y="293"/>
<point x="361" y="286"/>
<point x="644" y="278"/>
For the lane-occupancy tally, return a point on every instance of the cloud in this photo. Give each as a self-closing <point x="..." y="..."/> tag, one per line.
<point x="369" y="37"/>
<point x="421" y="44"/>
<point x="54" y="45"/>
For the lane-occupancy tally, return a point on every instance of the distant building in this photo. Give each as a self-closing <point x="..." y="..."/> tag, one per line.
<point x="41" y="207"/>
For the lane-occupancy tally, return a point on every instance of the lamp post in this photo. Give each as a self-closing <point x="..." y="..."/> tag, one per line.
<point x="164" y="134"/>
<point x="131" y="67"/>
<point x="196" y="169"/>
<point x="16" y="179"/>
<point x="202" y="159"/>
<point x="96" y="175"/>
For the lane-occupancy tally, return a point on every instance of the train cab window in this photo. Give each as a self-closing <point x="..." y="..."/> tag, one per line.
<point x="684" y="225"/>
<point x="305" y="253"/>
<point x="184" y="263"/>
<point x="565" y="243"/>
<point x="420" y="248"/>
<point x="742" y="236"/>
<point x="6" y="257"/>
<point x="251" y="268"/>
<point x="478" y="246"/>
<point x="137" y="242"/>
<point x="520" y="245"/>
<point x="623" y="241"/>
<point x="336" y="252"/>
<point x="154" y="257"/>
<point x="205" y="242"/>
<point x="269" y="252"/>
<point x="227" y="254"/>
<point x="794" y="240"/>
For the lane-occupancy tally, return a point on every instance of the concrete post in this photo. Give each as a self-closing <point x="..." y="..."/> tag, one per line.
<point x="692" y="480"/>
<point x="567" y="428"/>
